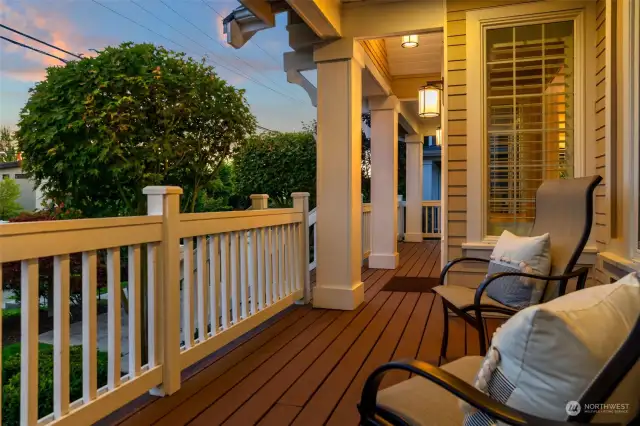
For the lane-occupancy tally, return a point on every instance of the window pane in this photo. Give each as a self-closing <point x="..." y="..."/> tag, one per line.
<point x="529" y="110"/>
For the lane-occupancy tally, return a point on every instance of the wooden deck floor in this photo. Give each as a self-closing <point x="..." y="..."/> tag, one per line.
<point x="307" y="366"/>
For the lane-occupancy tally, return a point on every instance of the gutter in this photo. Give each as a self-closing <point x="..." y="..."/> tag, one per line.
<point x="241" y="24"/>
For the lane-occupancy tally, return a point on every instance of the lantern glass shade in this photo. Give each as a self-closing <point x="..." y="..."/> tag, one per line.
<point x="439" y="136"/>
<point x="410" y="41"/>
<point x="429" y="101"/>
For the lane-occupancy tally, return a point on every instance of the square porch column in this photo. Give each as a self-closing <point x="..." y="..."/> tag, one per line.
<point x="414" y="144"/>
<point x="384" y="182"/>
<point x="339" y="212"/>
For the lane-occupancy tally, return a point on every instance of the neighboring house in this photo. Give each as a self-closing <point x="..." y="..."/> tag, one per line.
<point x="431" y="169"/>
<point x="30" y="196"/>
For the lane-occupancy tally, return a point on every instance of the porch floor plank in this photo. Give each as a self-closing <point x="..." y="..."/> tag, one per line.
<point x="308" y="366"/>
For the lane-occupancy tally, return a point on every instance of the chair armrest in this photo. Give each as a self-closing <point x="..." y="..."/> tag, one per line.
<point x="581" y="272"/>
<point x="370" y="412"/>
<point x="448" y="266"/>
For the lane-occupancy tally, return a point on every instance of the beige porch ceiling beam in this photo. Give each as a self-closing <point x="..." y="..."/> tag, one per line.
<point x="261" y="9"/>
<point x="322" y="16"/>
<point x="373" y="20"/>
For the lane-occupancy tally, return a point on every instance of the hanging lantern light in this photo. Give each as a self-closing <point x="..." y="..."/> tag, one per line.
<point x="430" y="99"/>
<point x="439" y="136"/>
<point x="410" y="41"/>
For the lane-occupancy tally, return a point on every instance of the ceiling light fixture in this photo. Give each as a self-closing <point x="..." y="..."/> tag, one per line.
<point x="409" y="41"/>
<point x="430" y="99"/>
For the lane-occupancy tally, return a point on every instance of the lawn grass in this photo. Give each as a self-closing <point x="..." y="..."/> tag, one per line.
<point x="14" y="348"/>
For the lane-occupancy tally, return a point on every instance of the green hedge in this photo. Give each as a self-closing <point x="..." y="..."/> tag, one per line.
<point x="11" y="378"/>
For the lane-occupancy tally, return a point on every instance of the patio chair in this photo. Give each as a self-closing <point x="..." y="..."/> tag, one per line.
<point x="432" y="397"/>
<point x="564" y="209"/>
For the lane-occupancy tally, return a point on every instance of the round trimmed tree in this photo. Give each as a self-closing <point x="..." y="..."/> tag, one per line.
<point x="95" y="132"/>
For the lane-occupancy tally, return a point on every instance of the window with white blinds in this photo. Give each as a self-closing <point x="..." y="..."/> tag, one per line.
<point x="529" y="98"/>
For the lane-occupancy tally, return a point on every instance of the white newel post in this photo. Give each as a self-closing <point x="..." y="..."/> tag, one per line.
<point x="384" y="182"/>
<point x="259" y="201"/>
<point x="339" y="218"/>
<point x="413" y="231"/>
<point x="165" y="201"/>
<point x="301" y="204"/>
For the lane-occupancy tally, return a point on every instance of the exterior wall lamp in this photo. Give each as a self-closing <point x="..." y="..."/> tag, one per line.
<point x="430" y="99"/>
<point x="410" y="41"/>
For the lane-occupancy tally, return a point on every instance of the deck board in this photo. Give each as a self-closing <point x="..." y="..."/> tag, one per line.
<point x="308" y="366"/>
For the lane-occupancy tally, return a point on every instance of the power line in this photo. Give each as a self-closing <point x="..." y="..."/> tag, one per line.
<point x="32" y="48"/>
<point x="183" y="47"/>
<point x="275" y="60"/>
<point x="39" y="41"/>
<point x="218" y="41"/>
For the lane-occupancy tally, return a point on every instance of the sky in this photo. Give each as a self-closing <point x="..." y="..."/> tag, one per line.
<point x="81" y="25"/>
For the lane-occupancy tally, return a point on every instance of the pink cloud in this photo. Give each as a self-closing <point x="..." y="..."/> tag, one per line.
<point x="49" y="26"/>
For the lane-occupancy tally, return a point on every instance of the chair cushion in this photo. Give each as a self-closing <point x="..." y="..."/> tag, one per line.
<point x="519" y="254"/>
<point x="550" y="353"/>
<point x="422" y="402"/>
<point x="462" y="297"/>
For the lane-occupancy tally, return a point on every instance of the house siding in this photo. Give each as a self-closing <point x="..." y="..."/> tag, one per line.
<point x="602" y="229"/>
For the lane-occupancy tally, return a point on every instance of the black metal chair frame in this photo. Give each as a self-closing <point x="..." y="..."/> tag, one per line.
<point x="476" y="320"/>
<point x="598" y="392"/>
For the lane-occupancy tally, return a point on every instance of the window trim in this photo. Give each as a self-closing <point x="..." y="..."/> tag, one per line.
<point x="477" y="22"/>
<point x="631" y="128"/>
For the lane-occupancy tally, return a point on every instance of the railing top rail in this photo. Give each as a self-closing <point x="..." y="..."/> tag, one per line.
<point x="25" y="228"/>
<point x="366" y="207"/>
<point x="428" y="203"/>
<point x="187" y="217"/>
<point x="32" y="240"/>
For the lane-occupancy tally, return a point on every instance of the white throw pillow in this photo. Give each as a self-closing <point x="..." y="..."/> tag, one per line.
<point x="519" y="254"/>
<point x="548" y="354"/>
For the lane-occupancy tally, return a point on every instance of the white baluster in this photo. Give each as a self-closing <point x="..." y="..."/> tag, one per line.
<point x="154" y="304"/>
<point x="281" y="255"/>
<point x="188" y="319"/>
<point x="225" y="275"/>
<point x="243" y="276"/>
<point x="214" y="280"/>
<point x="114" y="317"/>
<point x="235" y="278"/>
<point x="253" y="270"/>
<point x="60" y="335"/>
<point x="89" y="326"/>
<point x="203" y="288"/>
<point x="262" y="264"/>
<point x="134" y="294"/>
<point x="29" y="305"/>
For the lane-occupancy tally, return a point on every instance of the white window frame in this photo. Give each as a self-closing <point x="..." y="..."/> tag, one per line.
<point x="477" y="23"/>
<point x="630" y="53"/>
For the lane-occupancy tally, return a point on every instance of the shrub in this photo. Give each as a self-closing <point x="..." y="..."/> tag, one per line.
<point x="11" y="388"/>
<point x="9" y="194"/>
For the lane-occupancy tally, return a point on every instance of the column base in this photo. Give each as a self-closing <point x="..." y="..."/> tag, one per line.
<point x="384" y="261"/>
<point x="345" y="299"/>
<point x="413" y="237"/>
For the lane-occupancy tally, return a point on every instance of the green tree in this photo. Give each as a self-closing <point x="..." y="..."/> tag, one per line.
<point x="8" y="149"/>
<point x="95" y="132"/>
<point x="277" y="164"/>
<point x="9" y="194"/>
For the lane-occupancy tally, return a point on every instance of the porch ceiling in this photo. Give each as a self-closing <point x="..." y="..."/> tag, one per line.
<point x="424" y="59"/>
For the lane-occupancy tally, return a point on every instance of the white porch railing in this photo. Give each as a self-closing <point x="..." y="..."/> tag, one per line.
<point x="366" y="234"/>
<point x="366" y="230"/>
<point x="239" y="269"/>
<point x="431" y="220"/>
<point x="314" y="239"/>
